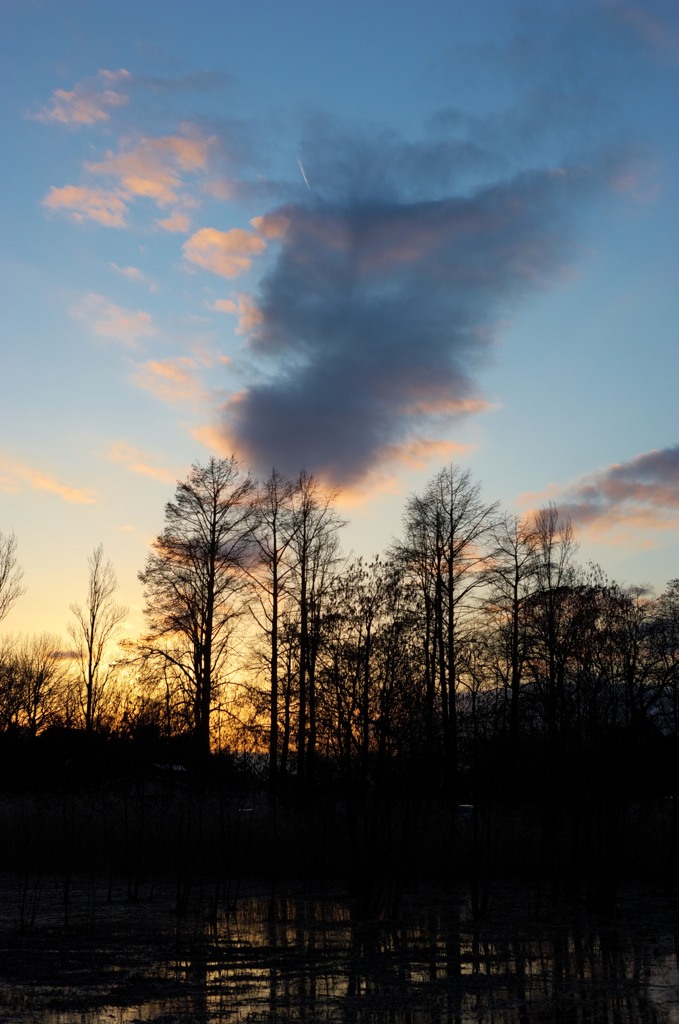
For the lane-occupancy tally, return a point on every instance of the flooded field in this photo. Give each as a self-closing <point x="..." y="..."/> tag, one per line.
<point x="92" y="951"/>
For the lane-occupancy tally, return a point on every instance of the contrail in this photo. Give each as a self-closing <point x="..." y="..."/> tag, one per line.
<point x="306" y="180"/>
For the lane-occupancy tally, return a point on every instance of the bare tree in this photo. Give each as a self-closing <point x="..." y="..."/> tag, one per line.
<point x="11" y="574"/>
<point x="314" y="558"/>
<point x="274" y="530"/>
<point x="513" y="574"/>
<point x="194" y="583"/>
<point x="550" y="612"/>
<point x="10" y="685"/>
<point x="41" y="674"/>
<point x="96" y="625"/>
<point x="447" y="530"/>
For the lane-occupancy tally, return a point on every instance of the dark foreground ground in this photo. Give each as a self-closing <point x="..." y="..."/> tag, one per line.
<point x="89" y="950"/>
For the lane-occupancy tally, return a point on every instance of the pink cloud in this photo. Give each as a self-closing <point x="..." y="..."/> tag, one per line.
<point x="272" y="225"/>
<point x="152" y="167"/>
<point x="107" y="320"/>
<point x="101" y="205"/>
<point x="15" y="474"/>
<point x="172" y="380"/>
<point x="444" y="404"/>
<point x="385" y="476"/>
<point x="249" y="316"/>
<point x="137" y="462"/>
<point x="227" y="253"/>
<point x="214" y="439"/>
<point x="641" y="494"/>
<point x="88" y="102"/>
<point x="179" y="223"/>
<point x="421" y="452"/>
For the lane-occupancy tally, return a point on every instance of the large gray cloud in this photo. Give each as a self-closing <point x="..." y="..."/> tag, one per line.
<point x="399" y="264"/>
<point x="385" y="298"/>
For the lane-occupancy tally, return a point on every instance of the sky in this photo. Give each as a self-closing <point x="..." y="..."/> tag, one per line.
<point x="361" y="239"/>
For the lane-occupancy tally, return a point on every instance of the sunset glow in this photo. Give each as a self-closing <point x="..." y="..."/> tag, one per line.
<point x="337" y="239"/>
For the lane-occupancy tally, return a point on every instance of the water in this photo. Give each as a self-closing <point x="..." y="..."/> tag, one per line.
<point x="86" y="954"/>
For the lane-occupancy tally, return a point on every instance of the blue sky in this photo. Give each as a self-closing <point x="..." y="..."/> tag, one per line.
<point x="361" y="239"/>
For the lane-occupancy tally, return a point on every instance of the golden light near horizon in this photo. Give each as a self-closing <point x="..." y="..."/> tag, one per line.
<point x="366" y="290"/>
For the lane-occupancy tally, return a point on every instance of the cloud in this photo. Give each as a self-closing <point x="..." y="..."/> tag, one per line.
<point x="14" y="474"/>
<point x="636" y="495"/>
<point x="153" y="167"/>
<point x="172" y="380"/>
<point x="418" y="454"/>
<point x="137" y="462"/>
<point x="107" y="320"/>
<point x="385" y="477"/>
<point x="214" y="439"/>
<point x="103" y="206"/>
<point x="206" y="355"/>
<point x="137" y="275"/>
<point x="249" y="316"/>
<point x="178" y="222"/>
<point x="160" y="169"/>
<point x="658" y="34"/>
<point x="386" y="297"/>
<point x="89" y="102"/>
<point x="227" y="253"/>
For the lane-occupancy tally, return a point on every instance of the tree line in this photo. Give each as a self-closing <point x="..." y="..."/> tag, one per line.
<point x="472" y="628"/>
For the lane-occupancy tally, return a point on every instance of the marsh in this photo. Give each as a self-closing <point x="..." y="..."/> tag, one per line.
<point x="208" y="953"/>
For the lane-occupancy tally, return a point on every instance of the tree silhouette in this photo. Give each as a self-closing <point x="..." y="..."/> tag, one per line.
<point x="96" y="625"/>
<point x="11" y="574"/>
<point x="194" y="583"/>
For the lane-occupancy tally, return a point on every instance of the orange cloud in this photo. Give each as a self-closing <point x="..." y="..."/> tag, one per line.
<point x="152" y="167"/>
<point x="178" y="222"/>
<point x="172" y="380"/>
<point x="249" y="315"/>
<point x="374" y="486"/>
<point x="272" y="225"/>
<point x="384" y="478"/>
<point x="227" y="253"/>
<point x="107" y="320"/>
<point x="137" y="462"/>
<point x="88" y="102"/>
<point x="215" y="439"/>
<point x="418" y="454"/>
<point x="447" y="405"/>
<point x="14" y="474"/>
<point x="100" y="205"/>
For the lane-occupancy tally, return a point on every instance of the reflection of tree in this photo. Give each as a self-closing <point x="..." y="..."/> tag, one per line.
<point x="311" y="964"/>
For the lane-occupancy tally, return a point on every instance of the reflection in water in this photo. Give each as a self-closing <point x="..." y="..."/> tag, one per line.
<point x="312" y="962"/>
